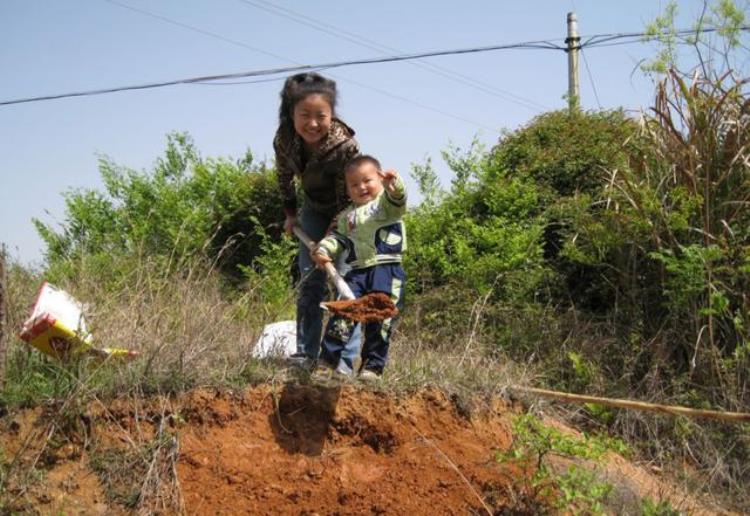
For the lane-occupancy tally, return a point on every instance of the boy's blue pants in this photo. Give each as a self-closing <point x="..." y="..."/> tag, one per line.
<point x="388" y="278"/>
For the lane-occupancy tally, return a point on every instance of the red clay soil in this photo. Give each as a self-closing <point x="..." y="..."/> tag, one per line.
<point x="340" y="451"/>
<point x="42" y="472"/>
<point x="293" y="449"/>
<point x="377" y="306"/>
<point x="285" y="449"/>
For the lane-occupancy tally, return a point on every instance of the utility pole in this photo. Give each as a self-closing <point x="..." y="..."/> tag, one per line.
<point x="3" y="314"/>
<point x="573" y="41"/>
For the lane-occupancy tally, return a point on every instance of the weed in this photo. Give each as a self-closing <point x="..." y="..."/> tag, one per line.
<point x="574" y="490"/>
<point x="579" y="491"/>
<point x="660" y="508"/>
<point x="121" y="471"/>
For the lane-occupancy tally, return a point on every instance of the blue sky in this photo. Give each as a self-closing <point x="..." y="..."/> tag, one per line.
<point x="402" y="113"/>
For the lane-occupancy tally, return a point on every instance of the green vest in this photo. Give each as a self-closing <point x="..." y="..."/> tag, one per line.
<point x="373" y="233"/>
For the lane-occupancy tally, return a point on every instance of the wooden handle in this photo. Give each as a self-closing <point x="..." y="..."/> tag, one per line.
<point x="735" y="417"/>
<point x="343" y="289"/>
<point x="310" y="244"/>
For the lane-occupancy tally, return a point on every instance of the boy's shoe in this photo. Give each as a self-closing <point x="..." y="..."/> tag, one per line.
<point x="300" y="360"/>
<point x="341" y="376"/>
<point x="369" y="376"/>
<point x="322" y="374"/>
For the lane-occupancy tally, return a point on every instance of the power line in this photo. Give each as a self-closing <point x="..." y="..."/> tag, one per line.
<point x="362" y="41"/>
<point x="273" y="71"/>
<point x="369" y="43"/>
<point x="429" y="108"/>
<point x="198" y="30"/>
<point x="637" y="37"/>
<point x="541" y="44"/>
<point x="591" y="78"/>
<point x="241" y="44"/>
<point x="237" y="83"/>
<point x="378" y="90"/>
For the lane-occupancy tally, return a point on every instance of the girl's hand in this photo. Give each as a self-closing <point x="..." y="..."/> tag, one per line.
<point x="389" y="180"/>
<point x="320" y="259"/>
<point x="289" y="223"/>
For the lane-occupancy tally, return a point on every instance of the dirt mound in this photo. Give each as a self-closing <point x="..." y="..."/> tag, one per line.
<point x="322" y="450"/>
<point x="286" y="449"/>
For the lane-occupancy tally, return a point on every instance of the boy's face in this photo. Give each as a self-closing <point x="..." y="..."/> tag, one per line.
<point x="363" y="183"/>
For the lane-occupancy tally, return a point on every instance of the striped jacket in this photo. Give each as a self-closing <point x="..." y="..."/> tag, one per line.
<point x="321" y="174"/>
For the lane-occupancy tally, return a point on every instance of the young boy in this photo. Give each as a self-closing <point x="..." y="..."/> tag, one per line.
<point x="372" y="231"/>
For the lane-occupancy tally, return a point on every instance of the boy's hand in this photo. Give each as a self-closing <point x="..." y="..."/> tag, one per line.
<point x="389" y="180"/>
<point x="320" y="258"/>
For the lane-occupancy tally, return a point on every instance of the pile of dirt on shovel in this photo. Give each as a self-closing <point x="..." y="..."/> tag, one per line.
<point x="289" y="448"/>
<point x="373" y="307"/>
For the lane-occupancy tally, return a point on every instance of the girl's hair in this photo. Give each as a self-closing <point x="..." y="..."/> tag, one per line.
<point x="299" y="86"/>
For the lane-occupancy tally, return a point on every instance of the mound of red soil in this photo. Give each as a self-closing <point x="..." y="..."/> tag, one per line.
<point x="278" y="449"/>
<point x="293" y="449"/>
<point x="308" y="449"/>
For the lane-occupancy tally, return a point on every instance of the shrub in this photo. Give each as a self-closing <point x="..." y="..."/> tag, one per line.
<point x="484" y="234"/>
<point x="187" y="207"/>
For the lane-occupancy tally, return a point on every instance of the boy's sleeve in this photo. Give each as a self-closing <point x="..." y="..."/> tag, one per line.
<point x="336" y="241"/>
<point x="332" y="245"/>
<point x="395" y="203"/>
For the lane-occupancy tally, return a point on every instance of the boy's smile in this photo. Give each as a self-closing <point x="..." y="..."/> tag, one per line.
<point x="364" y="183"/>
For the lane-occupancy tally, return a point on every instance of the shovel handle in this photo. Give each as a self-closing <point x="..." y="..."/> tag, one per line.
<point x="343" y="289"/>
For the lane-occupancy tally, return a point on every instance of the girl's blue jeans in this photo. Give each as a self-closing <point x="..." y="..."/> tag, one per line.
<point x="312" y="291"/>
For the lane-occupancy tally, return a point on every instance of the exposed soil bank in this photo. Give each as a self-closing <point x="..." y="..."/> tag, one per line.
<point x="284" y="449"/>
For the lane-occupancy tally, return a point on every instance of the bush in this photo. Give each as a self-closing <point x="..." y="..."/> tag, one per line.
<point x="674" y="233"/>
<point x="484" y="234"/>
<point x="669" y="233"/>
<point x="187" y="207"/>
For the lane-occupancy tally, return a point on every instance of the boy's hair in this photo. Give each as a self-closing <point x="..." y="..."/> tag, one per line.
<point x="360" y="160"/>
<point x="299" y="86"/>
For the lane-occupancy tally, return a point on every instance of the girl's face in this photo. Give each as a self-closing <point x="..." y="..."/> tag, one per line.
<point x="364" y="183"/>
<point x="312" y="118"/>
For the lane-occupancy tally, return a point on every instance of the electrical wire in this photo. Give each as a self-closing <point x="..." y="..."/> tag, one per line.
<point x="591" y="79"/>
<point x="241" y="44"/>
<point x="541" y="44"/>
<point x="198" y="30"/>
<point x="272" y="71"/>
<point x="236" y="83"/>
<point x="362" y="41"/>
<point x="638" y="37"/>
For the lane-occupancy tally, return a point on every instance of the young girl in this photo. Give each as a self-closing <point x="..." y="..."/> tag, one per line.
<point x="312" y="145"/>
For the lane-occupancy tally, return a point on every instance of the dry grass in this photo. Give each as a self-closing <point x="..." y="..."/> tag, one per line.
<point x="191" y="332"/>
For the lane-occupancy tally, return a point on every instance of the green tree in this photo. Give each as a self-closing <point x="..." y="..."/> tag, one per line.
<point x="715" y="46"/>
<point x="187" y="207"/>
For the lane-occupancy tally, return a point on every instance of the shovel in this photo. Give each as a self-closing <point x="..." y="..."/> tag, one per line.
<point x="368" y="308"/>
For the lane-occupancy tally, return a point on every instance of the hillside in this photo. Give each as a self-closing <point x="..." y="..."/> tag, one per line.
<point x="592" y="253"/>
<point x="295" y="448"/>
